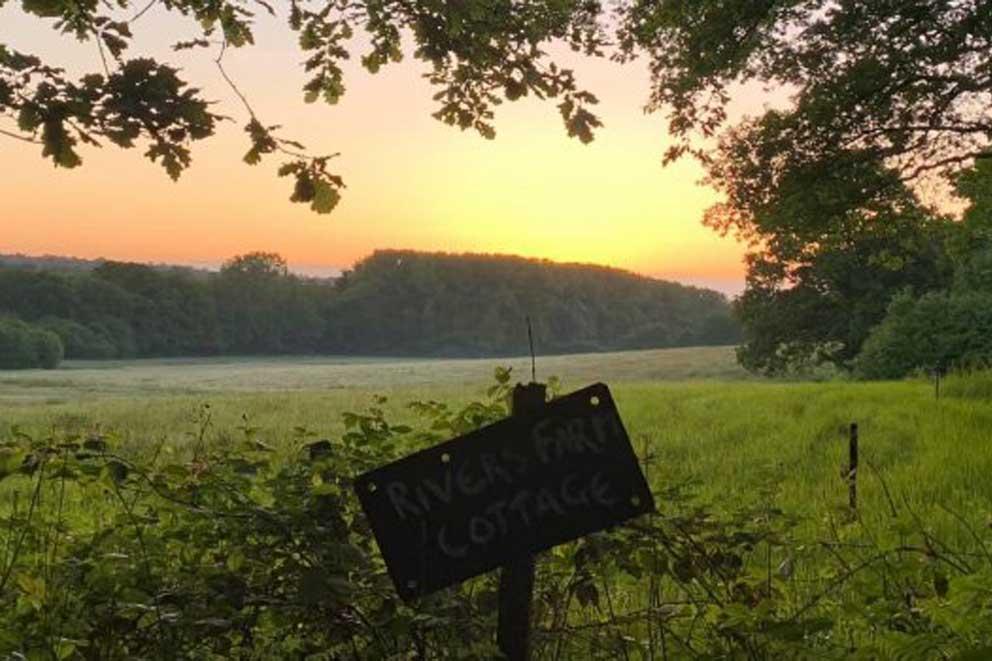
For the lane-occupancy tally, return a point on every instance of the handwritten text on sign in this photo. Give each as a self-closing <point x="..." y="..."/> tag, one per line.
<point x="521" y="485"/>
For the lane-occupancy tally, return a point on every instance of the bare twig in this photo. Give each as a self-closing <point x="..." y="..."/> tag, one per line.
<point x="971" y="531"/>
<point x="885" y="488"/>
<point x="279" y="144"/>
<point x="219" y="61"/>
<point x="99" y="48"/>
<point x="11" y="134"/>
<point x="142" y="11"/>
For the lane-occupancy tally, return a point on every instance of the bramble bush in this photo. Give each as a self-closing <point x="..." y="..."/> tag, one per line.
<point x="231" y="546"/>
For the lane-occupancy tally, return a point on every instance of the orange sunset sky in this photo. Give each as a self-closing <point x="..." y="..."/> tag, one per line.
<point x="412" y="181"/>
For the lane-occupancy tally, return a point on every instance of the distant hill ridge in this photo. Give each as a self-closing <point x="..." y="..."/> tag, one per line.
<point x="64" y="263"/>
<point x="393" y="302"/>
<point x="468" y="303"/>
<point x="49" y="262"/>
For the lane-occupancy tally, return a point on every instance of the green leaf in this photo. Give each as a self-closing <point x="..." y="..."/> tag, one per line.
<point x="325" y="197"/>
<point x="253" y="157"/>
<point x="10" y="461"/>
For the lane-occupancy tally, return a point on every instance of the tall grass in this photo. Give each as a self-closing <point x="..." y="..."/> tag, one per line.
<point x="747" y="450"/>
<point x="735" y="438"/>
<point x="969" y="384"/>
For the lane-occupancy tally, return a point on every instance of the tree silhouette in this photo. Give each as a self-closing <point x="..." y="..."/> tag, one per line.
<point x="901" y="84"/>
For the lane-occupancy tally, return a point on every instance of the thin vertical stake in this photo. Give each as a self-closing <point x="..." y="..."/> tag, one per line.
<point x="852" y="474"/>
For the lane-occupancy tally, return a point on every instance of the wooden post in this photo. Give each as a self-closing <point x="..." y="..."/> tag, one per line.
<point x="516" y="579"/>
<point x="852" y="474"/>
<point x="936" y="381"/>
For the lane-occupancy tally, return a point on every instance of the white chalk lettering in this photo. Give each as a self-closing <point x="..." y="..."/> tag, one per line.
<point x="545" y="502"/>
<point x="600" y="491"/>
<point x="496" y="509"/>
<point x="502" y="519"/>
<point x="552" y="443"/>
<point x="422" y="498"/>
<point x="480" y="530"/>
<point x="542" y="441"/>
<point x="578" y="440"/>
<point x="447" y="548"/>
<point x="444" y="494"/>
<point x="570" y="495"/>
<point x="518" y="505"/>
<point x="467" y="484"/>
<point x="398" y="494"/>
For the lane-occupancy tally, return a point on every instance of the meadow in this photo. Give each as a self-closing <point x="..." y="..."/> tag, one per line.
<point x="736" y="443"/>
<point x="87" y="380"/>
<point x="693" y="413"/>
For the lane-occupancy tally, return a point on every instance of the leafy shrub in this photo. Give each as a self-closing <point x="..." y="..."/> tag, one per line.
<point x="23" y="346"/>
<point x="936" y="331"/>
<point x="48" y="348"/>
<point x="968" y="384"/>
<point x="815" y="361"/>
<point x="17" y="349"/>
<point x="238" y="549"/>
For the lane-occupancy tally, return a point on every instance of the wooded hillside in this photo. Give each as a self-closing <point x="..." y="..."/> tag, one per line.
<point x="391" y="303"/>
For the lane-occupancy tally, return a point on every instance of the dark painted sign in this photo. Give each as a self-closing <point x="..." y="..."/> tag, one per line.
<point x="521" y="485"/>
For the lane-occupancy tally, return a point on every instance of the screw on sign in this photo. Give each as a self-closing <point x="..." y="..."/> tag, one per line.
<point x="549" y="474"/>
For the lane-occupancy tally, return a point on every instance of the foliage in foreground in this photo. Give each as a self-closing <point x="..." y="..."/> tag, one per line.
<point x="233" y="548"/>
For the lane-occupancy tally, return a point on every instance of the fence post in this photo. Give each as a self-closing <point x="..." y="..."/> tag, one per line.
<point x="516" y="579"/>
<point x="852" y="473"/>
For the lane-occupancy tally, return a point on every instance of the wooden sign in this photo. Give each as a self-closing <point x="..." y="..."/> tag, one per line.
<point x="522" y="485"/>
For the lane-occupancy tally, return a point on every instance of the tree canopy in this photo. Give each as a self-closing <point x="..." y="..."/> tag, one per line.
<point x="397" y="303"/>
<point x="903" y="84"/>
<point x="948" y="327"/>
<point x="480" y="52"/>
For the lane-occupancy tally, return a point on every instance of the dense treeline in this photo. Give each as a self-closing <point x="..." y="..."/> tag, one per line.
<point x="892" y="289"/>
<point x="951" y="326"/>
<point x="476" y="304"/>
<point x="391" y="303"/>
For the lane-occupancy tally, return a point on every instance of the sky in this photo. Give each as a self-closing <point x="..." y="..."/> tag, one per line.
<point x="412" y="182"/>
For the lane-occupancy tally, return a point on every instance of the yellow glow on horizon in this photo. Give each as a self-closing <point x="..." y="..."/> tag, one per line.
<point x="412" y="182"/>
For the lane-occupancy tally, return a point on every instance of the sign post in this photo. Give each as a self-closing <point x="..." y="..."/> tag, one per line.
<point x="548" y="474"/>
<point x="516" y="580"/>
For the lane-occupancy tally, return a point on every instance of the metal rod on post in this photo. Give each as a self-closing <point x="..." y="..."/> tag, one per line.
<point x="516" y="580"/>
<point x="852" y="474"/>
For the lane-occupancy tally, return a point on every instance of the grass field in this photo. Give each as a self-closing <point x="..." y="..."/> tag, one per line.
<point x="88" y="380"/>
<point x="692" y="412"/>
<point x="693" y="415"/>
